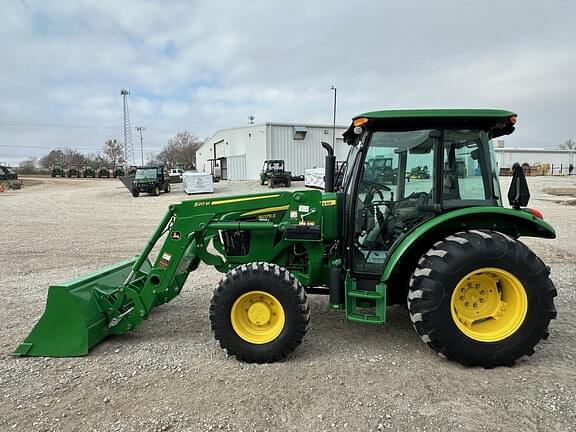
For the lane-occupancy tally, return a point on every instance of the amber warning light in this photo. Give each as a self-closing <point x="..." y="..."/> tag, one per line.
<point x="537" y="213"/>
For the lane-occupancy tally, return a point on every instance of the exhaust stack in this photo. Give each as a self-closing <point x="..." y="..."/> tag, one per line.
<point x="330" y="168"/>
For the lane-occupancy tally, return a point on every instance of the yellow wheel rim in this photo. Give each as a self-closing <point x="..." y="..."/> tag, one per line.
<point x="489" y="304"/>
<point x="257" y="317"/>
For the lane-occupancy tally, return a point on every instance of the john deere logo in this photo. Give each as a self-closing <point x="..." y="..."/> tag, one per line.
<point x="176" y="235"/>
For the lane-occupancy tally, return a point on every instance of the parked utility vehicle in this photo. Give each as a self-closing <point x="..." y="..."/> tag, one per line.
<point x="150" y="179"/>
<point x="444" y="246"/>
<point x="274" y="174"/>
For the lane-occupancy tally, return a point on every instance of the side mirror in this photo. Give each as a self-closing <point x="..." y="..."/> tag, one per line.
<point x="518" y="194"/>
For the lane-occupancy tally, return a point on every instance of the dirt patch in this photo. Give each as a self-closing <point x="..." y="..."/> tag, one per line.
<point x="561" y="191"/>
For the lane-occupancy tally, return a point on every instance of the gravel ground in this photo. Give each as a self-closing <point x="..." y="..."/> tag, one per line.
<point x="169" y="374"/>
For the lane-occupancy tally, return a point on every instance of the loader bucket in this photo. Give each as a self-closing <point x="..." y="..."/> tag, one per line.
<point x="127" y="181"/>
<point x="73" y="321"/>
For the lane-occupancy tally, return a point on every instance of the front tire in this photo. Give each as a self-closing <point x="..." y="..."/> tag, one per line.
<point x="156" y="191"/>
<point x="259" y="313"/>
<point x="135" y="193"/>
<point x="481" y="298"/>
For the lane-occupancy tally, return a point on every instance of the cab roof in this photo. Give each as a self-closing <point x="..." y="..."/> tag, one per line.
<point x="438" y="113"/>
<point x="498" y="122"/>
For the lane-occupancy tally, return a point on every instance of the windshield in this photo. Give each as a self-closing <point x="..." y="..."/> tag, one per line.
<point x="146" y="173"/>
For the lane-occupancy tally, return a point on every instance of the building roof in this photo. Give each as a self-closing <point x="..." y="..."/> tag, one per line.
<point x="531" y="150"/>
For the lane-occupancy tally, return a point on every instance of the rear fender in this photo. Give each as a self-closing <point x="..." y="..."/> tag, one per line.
<point x="514" y="223"/>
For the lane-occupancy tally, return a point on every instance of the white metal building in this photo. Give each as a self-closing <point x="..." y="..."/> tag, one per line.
<point x="506" y="157"/>
<point x="241" y="152"/>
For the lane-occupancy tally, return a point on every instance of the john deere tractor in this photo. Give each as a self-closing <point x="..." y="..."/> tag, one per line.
<point x="88" y="171"/>
<point x="57" y="170"/>
<point x="73" y="171"/>
<point x="118" y="171"/>
<point x="103" y="171"/>
<point x="444" y="246"/>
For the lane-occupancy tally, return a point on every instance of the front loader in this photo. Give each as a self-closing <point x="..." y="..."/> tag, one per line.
<point x="443" y="246"/>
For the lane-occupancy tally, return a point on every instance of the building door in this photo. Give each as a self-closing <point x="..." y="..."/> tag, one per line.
<point x="236" y="167"/>
<point x="223" y="168"/>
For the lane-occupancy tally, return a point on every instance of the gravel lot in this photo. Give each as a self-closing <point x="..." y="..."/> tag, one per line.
<point x="169" y="374"/>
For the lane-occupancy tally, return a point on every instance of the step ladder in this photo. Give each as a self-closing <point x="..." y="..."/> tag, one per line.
<point x="358" y="301"/>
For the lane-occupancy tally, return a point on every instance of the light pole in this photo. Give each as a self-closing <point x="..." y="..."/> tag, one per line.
<point x="140" y="129"/>
<point x="334" y="118"/>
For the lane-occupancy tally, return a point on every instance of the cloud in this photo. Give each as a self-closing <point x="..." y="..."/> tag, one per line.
<point x="207" y="65"/>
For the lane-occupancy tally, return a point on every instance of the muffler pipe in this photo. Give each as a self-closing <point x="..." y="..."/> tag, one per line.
<point x="330" y="169"/>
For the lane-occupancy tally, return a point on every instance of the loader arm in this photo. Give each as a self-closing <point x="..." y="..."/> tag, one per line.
<point x="284" y="228"/>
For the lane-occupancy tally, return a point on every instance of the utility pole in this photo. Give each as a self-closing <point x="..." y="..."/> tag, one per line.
<point x="334" y="119"/>
<point x="140" y="129"/>
<point x="128" y="147"/>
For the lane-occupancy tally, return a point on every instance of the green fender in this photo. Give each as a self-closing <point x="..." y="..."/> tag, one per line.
<point x="513" y="222"/>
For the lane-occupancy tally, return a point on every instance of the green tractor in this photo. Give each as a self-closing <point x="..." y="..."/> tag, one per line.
<point x="273" y="174"/>
<point x="73" y="171"/>
<point x="103" y="171"/>
<point x="444" y="247"/>
<point x="57" y="170"/>
<point x="88" y="171"/>
<point x="150" y="179"/>
<point x="118" y="171"/>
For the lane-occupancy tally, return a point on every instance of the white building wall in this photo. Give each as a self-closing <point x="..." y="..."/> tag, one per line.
<point x="269" y="141"/>
<point x="307" y="153"/>
<point x="249" y="141"/>
<point x="507" y="157"/>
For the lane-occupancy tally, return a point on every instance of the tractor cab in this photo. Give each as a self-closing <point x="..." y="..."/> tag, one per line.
<point x="405" y="167"/>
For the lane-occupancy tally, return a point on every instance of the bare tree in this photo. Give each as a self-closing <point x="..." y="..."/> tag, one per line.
<point x="569" y="144"/>
<point x="28" y="166"/>
<point x="74" y="157"/>
<point x="55" y="156"/>
<point x="113" y="150"/>
<point x="180" y="151"/>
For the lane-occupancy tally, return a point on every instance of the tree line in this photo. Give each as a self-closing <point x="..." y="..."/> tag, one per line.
<point x="180" y="151"/>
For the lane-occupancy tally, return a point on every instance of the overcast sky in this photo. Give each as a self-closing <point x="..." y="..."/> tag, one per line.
<point x="204" y="66"/>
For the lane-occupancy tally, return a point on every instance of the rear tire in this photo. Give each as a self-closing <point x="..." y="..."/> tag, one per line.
<point x="481" y="298"/>
<point x="270" y="183"/>
<point x="265" y="292"/>
<point x="167" y="188"/>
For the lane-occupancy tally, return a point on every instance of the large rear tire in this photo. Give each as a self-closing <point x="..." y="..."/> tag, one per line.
<point x="167" y="188"/>
<point x="481" y="298"/>
<point x="259" y="313"/>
